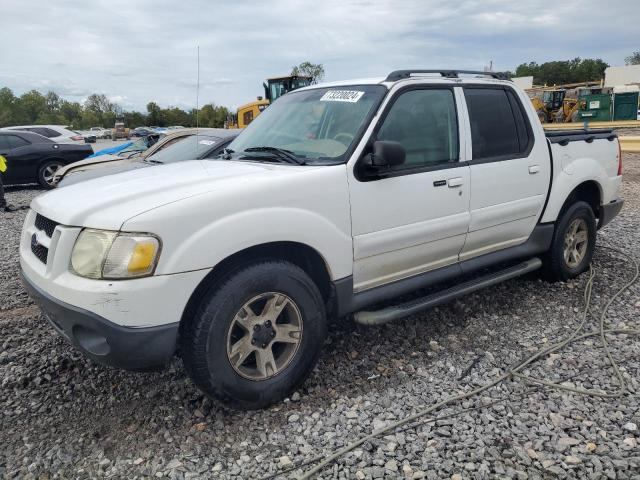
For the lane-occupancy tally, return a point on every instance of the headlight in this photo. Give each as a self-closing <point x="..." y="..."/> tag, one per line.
<point x="114" y="255"/>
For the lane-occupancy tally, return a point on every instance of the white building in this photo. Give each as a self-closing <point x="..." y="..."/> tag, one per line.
<point x="625" y="75"/>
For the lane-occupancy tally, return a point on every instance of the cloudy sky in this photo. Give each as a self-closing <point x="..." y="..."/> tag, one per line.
<point x="135" y="51"/>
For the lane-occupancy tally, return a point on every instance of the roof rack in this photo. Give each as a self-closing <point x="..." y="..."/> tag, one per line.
<point x="401" y="74"/>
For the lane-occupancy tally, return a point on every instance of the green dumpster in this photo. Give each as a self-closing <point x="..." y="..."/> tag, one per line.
<point x="596" y="107"/>
<point x="625" y="106"/>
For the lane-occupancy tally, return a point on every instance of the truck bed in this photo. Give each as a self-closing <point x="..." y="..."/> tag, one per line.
<point x="563" y="137"/>
<point x="582" y="156"/>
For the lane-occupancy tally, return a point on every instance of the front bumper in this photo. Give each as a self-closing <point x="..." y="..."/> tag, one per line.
<point x="609" y="211"/>
<point x="130" y="348"/>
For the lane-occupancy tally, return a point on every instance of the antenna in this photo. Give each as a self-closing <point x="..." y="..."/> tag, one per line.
<point x="197" y="98"/>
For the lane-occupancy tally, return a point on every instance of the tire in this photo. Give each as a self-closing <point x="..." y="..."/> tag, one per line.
<point x="556" y="267"/>
<point x="46" y="172"/>
<point x="542" y="116"/>
<point x="207" y="337"/>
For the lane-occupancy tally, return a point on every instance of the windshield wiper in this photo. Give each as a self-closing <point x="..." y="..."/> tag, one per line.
<point x="283" y="154"/>
<point x="150" y="160"/>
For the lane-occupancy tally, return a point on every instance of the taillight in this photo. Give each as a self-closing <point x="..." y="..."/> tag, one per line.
<point x="77" y="138"/>
<point x="619" y="159"/>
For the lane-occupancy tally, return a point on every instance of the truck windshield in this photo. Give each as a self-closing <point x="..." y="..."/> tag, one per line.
<point x="317" y="125"/>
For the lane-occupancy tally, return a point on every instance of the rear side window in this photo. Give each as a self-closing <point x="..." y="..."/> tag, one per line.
<point x="38" y="130"/>
<point x="15" y="142"/>
<point x="521" y="121"/>
<point x="4" y="143"/>
<point x="499" y="128"/>
<point x="45" y="132"/>
<point x="50" y="133"/>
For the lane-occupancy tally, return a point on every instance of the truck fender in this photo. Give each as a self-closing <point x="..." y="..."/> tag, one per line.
<point x="567" y="178"/>
<point x="216" y="241"/>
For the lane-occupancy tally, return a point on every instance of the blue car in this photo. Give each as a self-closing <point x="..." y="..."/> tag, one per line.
<point x="112" y="150"/>
<point x="128" y="148"/>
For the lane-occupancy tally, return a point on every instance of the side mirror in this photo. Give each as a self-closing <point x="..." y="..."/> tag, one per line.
<point x="387" y="154"/>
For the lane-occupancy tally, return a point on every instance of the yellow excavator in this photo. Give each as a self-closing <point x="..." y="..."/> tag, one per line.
<point x="561" y="103"/>
<point x="273" y="89"/>
<point x="553" y="106"/>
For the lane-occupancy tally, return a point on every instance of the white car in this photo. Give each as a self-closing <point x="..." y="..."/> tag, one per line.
<point x="336" y="198"/>
<point x="57" y="133"/>
<point x="100" y="132"/>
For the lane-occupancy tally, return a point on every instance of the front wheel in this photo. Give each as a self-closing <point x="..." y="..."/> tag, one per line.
<point x="256" y="335"/>
<point x="573" y="243"/>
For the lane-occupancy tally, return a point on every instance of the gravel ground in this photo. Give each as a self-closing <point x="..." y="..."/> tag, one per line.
<point x="61" y="416"/>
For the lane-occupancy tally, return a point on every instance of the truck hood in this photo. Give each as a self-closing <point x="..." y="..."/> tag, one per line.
<point x="107" y="202"/>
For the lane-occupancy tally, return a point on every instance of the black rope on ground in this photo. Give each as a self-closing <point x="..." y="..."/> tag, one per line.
<point x="513" y="372"/>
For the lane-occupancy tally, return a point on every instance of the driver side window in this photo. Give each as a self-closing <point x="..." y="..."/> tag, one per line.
<point x="424" y="122"/>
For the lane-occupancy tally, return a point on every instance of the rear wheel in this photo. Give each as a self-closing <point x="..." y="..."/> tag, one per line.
<point x="573" y="243"/>
<point x="47" y="171"/>
<point x="256" y="335"/>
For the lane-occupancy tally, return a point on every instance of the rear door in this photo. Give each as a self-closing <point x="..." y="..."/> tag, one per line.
<point x="510" y="170"/>
<point x="415" y="218"/>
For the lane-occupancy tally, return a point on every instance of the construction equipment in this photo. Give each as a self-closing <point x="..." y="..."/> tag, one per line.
<point x="278" y="86"/>
<point x="120" y="131"/>
<point x="246" y="113"/>
<point x="273" y="89"/>
<point x="561" y="103"/>
<point x="553" y="106"/>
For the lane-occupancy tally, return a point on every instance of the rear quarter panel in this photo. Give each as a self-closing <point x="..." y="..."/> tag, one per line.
<point x="579" y="162"/>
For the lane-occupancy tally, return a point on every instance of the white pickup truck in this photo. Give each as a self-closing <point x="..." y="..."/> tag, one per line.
<point x="339" y="196"/>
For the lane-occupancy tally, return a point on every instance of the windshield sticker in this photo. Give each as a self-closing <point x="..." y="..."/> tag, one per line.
<point x="206" y="142"/>
<point x="351" y="96"/>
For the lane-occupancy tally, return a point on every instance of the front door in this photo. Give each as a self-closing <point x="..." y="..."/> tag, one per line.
<point x="415" y="218"/>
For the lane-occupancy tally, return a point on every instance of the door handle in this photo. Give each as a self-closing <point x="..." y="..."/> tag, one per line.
<point x="454" y="182"/>
<point x="533" y="169"/>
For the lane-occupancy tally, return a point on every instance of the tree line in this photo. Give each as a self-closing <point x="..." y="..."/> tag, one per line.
<point x="577" y="70"/>
<point x="563" y="71"/>
<point x="36" y="108"/>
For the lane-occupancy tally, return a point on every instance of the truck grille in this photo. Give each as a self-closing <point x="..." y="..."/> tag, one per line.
<point x="46" y="225"/>
<point x="38" y="250"/>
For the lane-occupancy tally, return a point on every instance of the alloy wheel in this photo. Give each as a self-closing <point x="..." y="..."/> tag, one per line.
<point x="264" y="336"/>
<point x="576" y="241"/>
<point x="49" y="173"/>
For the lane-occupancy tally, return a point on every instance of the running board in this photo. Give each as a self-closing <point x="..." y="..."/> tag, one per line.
<point x="388" y="314"/>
